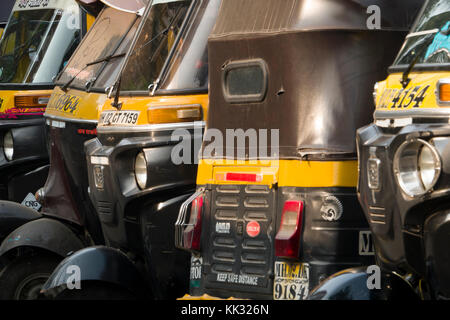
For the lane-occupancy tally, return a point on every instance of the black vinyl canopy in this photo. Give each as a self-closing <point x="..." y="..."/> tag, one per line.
<point x="320" y="64"/>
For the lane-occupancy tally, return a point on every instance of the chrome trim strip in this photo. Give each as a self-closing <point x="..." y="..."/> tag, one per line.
<point x="152" y="127"/>
<point x="421" y="33"/>
<point x="413" y="113"/>
<point x="50" y="116"/>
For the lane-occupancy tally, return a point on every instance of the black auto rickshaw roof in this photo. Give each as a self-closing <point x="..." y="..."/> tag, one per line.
<point x="5" y="10"/>
<point x="308" y="15"/>
<point x="319" y="61"/>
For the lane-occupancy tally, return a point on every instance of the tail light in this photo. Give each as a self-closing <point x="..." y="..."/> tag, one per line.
<point x="242" y="177"/>
<point x="193" y="229"/>
<point x="287" y="240"/>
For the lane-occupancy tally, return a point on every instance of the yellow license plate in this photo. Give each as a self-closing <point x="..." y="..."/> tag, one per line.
<point x="291" y="281"/>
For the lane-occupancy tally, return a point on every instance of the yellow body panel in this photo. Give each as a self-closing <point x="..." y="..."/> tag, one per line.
<point x="9" y="111"/>
<point x="81" y="105"/>
<point x="420" y="93"/>
<point x="75" y="105"/>
<point x="286" y="173"/>
<point x="143" y="103"/>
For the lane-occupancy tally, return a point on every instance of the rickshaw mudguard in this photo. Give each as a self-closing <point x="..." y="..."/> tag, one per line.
<point x="100" y="264"/>
<point x="44" y="233"/>
<point x="360" y="283"/>
<point x="13" y="215"/>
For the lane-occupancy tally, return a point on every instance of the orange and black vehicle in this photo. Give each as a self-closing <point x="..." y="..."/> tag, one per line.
<point x="404" y="171"/>
<point x="276" y="209"/>
<point x="139" y="174"/>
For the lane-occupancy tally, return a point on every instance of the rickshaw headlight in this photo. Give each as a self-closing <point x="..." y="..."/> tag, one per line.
<point x="8" y="146"/>
<point x="375" y="92"/>
<point x="417" y="167"/>
<point x="140" y="170"/>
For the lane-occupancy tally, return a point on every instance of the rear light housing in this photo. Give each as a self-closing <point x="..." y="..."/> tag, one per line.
<point x="241" y="177"/>
<point x="287" y="240"/>
<point x="193" y="229"/>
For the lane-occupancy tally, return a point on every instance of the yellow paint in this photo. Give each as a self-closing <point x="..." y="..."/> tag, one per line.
<point x="88" y="105"/>
<point x="143" y="103"/>
<point x="287" y="173"/>
<point x="7" y="107"/>
<point x="80" y="105"/>
<point x="90" y="19"/>
<point x="389" y="88"/>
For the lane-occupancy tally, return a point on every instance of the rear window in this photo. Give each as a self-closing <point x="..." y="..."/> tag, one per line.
<point x="245" y="81"/>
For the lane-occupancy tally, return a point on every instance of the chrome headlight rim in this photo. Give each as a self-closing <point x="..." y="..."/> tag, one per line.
<point x="140" y="170"/>
<point x="8" y="146"/>
<point x="398" y="157"/>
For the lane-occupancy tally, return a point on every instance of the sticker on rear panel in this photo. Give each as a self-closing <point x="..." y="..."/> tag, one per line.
<point x="196" y="271"/>
<point x="291" y="281"/>
<point x="31" y="202"/>
<point x="366" y="245"/>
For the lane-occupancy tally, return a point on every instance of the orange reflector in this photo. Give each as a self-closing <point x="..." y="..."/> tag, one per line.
<point x="244" y="177"/>
<point x="173" y="114"/>
<point x="444" y="92"/>
<point x="31" y="101"/>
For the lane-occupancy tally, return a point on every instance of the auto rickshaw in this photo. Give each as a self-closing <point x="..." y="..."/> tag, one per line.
<point x="160" y="97"/>
<point x="276" y="210"/>
<point x="5" y="10"/>
<point x="404" y="171"/>
<point x="37" y="43"/>
<point x="68" y="221"/>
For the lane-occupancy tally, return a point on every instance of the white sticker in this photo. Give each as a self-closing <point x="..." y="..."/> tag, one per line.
<point x="291" y="281"/>
<point x="41" y="4"/>
<point x="223" y="227"/>
<point x="366" y="245"/>
<point x="31" y="202"/>
<point x="237" y="279"/>
<point x="196" y="268"/>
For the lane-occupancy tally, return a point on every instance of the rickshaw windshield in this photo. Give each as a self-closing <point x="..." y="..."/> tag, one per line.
<point x="37" y="43"/>
<point x="99" y="57"/>
<point x="158" y="37"/>
<point x="429" y="42"/>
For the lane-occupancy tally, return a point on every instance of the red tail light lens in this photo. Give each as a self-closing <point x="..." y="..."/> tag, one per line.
<point x="287" y="240"/>
<point x="193" y="230"/>
<point x="243" y="177"/>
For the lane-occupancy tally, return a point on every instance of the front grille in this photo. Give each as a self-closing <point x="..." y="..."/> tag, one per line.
<point x="233" y="251"/>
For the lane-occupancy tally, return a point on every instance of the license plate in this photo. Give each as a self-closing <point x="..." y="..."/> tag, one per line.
<point x="31" y="202"/>
<point x="291" y="281"/>
<point x="119" y="118"/>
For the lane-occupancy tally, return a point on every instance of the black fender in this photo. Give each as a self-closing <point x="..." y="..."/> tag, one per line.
<point x="352" y="284"/>
<point x="100" y="264"/>
<point x="14" y="215"/>
<point x="45" y="233"/>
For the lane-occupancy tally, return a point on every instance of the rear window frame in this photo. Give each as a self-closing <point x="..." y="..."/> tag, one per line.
<point x="245" y="98"/>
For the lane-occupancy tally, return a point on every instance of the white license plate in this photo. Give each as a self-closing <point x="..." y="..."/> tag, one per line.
<point x="119" y="118"/>
<point x="291" y="281"/>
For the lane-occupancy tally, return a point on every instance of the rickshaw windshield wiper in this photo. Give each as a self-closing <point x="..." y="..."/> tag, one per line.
<point x="425" y="44"/>
<point x="105" y="59"/>
<point x="116" y="86"/>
